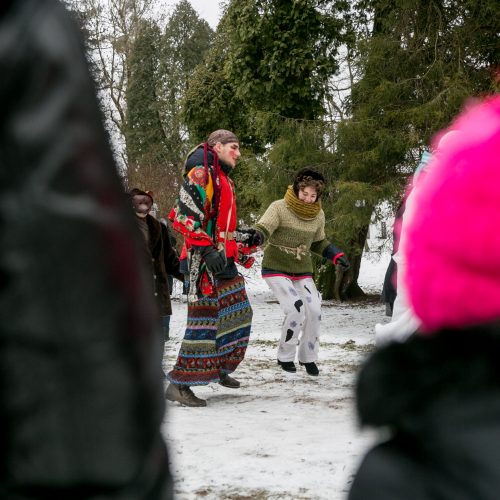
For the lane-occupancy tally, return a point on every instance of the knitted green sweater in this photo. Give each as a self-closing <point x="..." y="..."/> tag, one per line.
<point x="290" y="239"/>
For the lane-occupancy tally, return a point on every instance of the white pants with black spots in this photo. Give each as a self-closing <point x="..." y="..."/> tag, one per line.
<point x="301" y="303"/>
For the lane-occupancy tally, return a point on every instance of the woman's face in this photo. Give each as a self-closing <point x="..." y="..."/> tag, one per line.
<point x="308" y="194"/>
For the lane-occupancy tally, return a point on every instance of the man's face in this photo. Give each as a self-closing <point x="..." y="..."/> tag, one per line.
<point x="228" y="153"/>
<point x="142" y="204"/>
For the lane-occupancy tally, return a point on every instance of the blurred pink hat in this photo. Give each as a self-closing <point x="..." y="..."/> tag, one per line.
<point x="452" y="246"/>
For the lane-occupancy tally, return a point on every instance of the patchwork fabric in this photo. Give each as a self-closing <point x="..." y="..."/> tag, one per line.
<point x="202" y="214"/>
<point x="189" y="216"/>
<point x="217" y="334"/>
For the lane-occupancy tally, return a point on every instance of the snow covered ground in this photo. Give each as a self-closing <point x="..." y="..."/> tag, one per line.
<point x="281" y="435"/>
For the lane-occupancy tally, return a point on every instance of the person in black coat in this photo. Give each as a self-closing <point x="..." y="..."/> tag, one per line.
<point x="81" y="393"/>
<point x="435" y="396"/>
<point x="159" y="253"/>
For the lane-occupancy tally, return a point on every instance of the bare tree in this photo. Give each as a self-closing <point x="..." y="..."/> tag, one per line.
<point x="111" y="27"/>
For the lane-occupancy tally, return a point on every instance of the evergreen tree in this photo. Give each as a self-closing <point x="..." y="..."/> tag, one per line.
<point x="266" y="78"/>
<point x="421" y="62"/>
<point x="210" y="101"/>
<point x="282" y="54"/>
<point x="144" y="135"/>
<point x="160" y="69"/>
<point x="186" y="40"/>
<point x="269" y="75"/>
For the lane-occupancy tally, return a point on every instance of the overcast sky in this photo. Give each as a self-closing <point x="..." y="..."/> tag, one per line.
<point x="208" y="10"/>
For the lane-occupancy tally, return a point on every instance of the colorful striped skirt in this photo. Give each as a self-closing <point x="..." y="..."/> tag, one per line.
<point x="217" y="333"/>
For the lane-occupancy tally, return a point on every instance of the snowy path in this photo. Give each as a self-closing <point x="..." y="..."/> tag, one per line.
<point x="280" y="436"/>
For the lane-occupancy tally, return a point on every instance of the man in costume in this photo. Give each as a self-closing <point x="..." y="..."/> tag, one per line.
<point x="219" y="313"/>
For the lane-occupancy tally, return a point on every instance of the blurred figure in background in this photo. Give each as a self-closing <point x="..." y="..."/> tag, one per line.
<point x="403" y="322"/>
<point x="389" y="289"/>
<point x="438" y="392"/>
<point x="161" y="258"/>
<point x="80" y="378"/>
<point x="154" y="207"/>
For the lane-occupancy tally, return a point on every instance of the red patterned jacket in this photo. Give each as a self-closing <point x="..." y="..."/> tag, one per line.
<point x="205" y="213"/>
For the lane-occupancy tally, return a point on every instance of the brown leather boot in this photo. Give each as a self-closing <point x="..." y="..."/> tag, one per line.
<point x="183" y="395"/>
<point x="227" y="381"/>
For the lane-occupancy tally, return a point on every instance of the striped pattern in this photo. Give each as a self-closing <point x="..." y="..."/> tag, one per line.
<point x="217" y="333"/>
<point x="270" y="273"/>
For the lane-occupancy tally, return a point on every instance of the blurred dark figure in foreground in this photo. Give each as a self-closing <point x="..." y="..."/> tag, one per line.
<point x="437" y="394"/>
<point x="81" y="400"/>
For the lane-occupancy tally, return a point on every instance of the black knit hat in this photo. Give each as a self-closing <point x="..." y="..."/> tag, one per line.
<point x="305" y="175"/>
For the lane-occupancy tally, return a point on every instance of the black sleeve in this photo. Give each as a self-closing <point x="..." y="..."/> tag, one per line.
<point x="171" y="259"/>
<point x="331" y="251"/>
<point x="394" y="471"/>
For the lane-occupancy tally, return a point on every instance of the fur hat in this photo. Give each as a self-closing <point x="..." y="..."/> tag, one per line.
<point x="222" y="136"/>
<point x="452" y="244"/>
<point x="306" y="175"/>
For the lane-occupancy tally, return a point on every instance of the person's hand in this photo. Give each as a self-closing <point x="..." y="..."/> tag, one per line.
<point x="215" y="261"/>
<point x="256" y="238"/>
<point x="342" y="261"/>
<point x="249" y="237"/>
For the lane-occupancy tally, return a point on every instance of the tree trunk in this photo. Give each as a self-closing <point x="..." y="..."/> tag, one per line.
<point x="333" y="282"/>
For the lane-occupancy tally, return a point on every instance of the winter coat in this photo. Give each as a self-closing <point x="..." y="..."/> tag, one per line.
<point x="439" y="398"/>
<point x="81" y="400"/>
<point x="164" y="262"/>
<point x="206" y="215"/>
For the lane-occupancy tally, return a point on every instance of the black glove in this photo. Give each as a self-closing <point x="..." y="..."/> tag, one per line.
<point x="250" y="237"/>
<point x="215" y="261"/>
<point x="256" y="238"/>
<point x="343" y="262"/>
